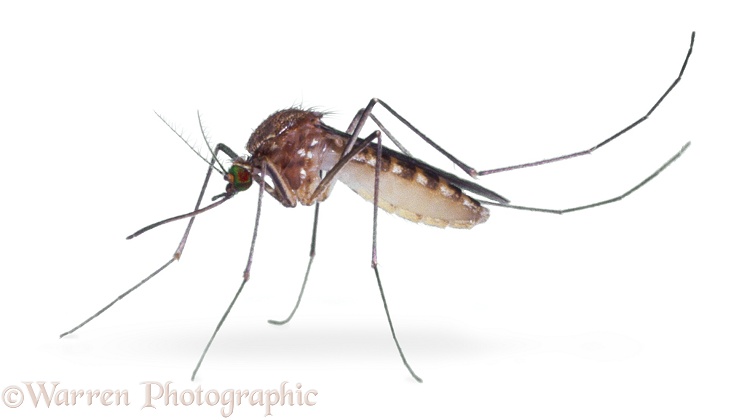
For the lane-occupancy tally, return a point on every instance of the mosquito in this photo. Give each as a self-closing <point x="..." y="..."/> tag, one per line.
<point x="296" y="158"/>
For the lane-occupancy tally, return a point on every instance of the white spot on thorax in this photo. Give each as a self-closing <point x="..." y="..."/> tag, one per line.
<point x="285" y="128"/>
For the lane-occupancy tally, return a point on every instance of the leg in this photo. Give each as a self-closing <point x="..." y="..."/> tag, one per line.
<point x="350" y="130"/>
<point x="330" y="177"/>
<point x="279" y="191"/>
<point x="325" y="183"/>
<point x="390" y="136"/>
<point x="181" y="245"/>
<point x="307" y="273"/>
<point x="247" y="271"/>
<point x="357" y="119"/>
<point x="366" y="112"/>
<point x="374" y="260"/>
<point x="599" y="203"/>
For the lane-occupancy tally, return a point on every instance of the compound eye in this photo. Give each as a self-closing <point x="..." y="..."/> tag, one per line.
<point x="240" y="178"/>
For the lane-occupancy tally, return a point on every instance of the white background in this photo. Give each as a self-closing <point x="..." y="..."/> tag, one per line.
<point x="616" y="312"/>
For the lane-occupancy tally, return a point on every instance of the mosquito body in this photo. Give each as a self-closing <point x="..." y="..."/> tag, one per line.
<point x="297" y="147"/>
<point x="296" y="158"/>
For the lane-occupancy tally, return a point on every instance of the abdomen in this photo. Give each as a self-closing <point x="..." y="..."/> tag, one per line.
<point x="411" y="192"/>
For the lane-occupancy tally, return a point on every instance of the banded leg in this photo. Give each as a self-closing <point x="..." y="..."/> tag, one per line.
<point x="179" y="250"/>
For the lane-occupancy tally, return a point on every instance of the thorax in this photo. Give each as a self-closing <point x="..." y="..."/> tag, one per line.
<point x="295" y="143"/>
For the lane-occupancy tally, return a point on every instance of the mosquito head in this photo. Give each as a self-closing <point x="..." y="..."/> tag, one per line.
<point x="239" y="179"/>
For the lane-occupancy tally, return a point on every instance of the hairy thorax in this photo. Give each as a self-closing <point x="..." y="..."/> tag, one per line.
<point x="294" y="142"/>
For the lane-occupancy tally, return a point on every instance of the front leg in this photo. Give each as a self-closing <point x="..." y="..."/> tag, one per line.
<point x="281" y="190"/>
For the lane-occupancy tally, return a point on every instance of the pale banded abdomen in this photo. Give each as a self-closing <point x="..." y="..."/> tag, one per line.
<point x="412" y="192"/>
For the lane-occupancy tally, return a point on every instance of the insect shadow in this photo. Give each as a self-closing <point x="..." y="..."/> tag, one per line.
<point x="296" y="158"/>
